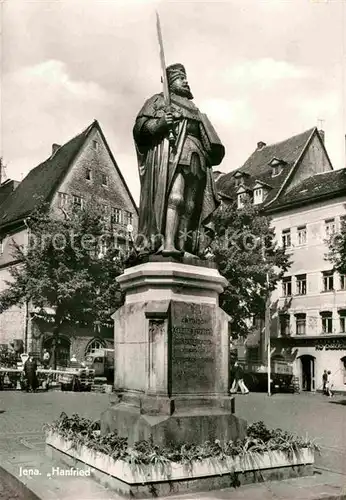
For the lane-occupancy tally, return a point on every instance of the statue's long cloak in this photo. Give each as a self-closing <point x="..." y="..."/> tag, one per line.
<point x="157" y="163"/>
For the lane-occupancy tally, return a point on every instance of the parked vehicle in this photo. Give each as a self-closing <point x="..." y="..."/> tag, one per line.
<point x="281" y="375"/>
<point x="102" y="362"/>
<point x="76" y="379"/>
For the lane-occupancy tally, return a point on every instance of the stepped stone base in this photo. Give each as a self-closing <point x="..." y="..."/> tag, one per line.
<point x="196" y="424"/>
<point x="171" y="342"/>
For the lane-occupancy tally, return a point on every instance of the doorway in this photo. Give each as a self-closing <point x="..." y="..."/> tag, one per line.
<point x="308" y="372"/>
<point x="62" y="349"/>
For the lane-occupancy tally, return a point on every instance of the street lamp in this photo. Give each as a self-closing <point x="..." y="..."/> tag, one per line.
<point x="267" y="320"/>
<point x="267" y="335"/>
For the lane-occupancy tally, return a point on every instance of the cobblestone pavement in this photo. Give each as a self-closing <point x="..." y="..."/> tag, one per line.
<point x="315" y="415"/>
<point x="6" y="493"/>
<point x="22" y="416"/>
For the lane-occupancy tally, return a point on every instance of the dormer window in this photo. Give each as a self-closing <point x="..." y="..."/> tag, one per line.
<point x="242" y="196"/>
<point x="241" y="199"/>
<point x="260" y="191"/>
<point x="238" y="178"/>
<point x="277" y="165"/>
<point x="258" y="196"/>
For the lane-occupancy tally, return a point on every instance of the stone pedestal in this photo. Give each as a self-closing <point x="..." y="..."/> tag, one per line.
<point x="171" y="343"/>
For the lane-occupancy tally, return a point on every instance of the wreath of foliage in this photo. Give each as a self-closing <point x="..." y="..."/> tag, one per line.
<point x="259" y="440"/>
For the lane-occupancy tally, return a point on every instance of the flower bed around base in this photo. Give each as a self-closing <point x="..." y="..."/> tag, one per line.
<point x="145" y="462"/>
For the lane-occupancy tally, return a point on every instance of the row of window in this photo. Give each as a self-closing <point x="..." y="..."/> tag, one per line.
<point x="328" y="283"/>
<point x="301" y="236"/>
<point x="329" y="229"/>
<point x="115" y="215"/>
<point x="326" y="319"/>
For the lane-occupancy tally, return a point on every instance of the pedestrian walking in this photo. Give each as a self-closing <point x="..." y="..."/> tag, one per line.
<point x="324" y="381"/>
<point x="238" y="379"/>
<point x="329" y="385"/>
<point x="30" y="368"/>
<point x="45" y="358"/>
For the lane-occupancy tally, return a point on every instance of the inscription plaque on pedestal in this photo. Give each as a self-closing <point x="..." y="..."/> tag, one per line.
<point x="193" y="348"/>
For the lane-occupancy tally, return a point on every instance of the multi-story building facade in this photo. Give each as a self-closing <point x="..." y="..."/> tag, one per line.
<point x="294" y="183"/>
<point x="313" y="327"/>
<point x="80" y="170"/>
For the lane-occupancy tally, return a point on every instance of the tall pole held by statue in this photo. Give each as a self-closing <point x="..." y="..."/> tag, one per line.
<point x="166" y="94"/>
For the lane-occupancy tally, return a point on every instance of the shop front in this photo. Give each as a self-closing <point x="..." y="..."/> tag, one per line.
<point x="313" y="355"/>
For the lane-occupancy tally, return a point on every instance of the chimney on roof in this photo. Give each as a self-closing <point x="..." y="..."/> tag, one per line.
<point x="55" y="148"/>
<point x="322" y="135"/>
<point x="261" y="145"/>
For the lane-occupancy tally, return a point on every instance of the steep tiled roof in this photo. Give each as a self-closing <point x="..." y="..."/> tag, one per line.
<point x="318" y="186"/>
<point x="41" y="182"/>
<point x="257" y="165"/>
<point x="6" y="188"/>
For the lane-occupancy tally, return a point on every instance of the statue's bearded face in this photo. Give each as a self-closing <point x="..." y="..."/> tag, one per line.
<point x="181" y="87"/>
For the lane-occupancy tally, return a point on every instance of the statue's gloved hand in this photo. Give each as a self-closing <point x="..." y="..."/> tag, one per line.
<point x="162" y="124"/>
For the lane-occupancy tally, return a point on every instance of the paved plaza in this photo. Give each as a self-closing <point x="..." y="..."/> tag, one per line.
<point x="22" y="417"/>
<point x="312" y="414"/>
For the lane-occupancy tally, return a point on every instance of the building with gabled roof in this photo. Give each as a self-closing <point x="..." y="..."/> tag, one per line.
<point x="276" y="165"/>
<point x="44" y="180"/>
<point x="294" y="182"/>
<point x="81" y="169"/>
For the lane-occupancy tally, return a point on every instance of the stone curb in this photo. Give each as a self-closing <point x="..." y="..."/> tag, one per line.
<point x="13" y="483"/>
<point x="33" y="489"/>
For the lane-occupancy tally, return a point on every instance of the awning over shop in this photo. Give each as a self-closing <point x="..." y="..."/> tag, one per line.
<point x="332" y="342"/>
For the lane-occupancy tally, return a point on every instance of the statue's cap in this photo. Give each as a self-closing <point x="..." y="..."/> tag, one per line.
<point x="175" y="71"/>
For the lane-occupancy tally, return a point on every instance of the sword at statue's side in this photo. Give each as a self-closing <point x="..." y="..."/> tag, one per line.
<point x="166" y="95"/>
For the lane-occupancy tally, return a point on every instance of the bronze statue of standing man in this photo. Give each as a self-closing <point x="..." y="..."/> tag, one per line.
<point x="176" y="148"/>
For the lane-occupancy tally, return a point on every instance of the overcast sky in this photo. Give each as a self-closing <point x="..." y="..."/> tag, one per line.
<point x="261" y="69"/>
